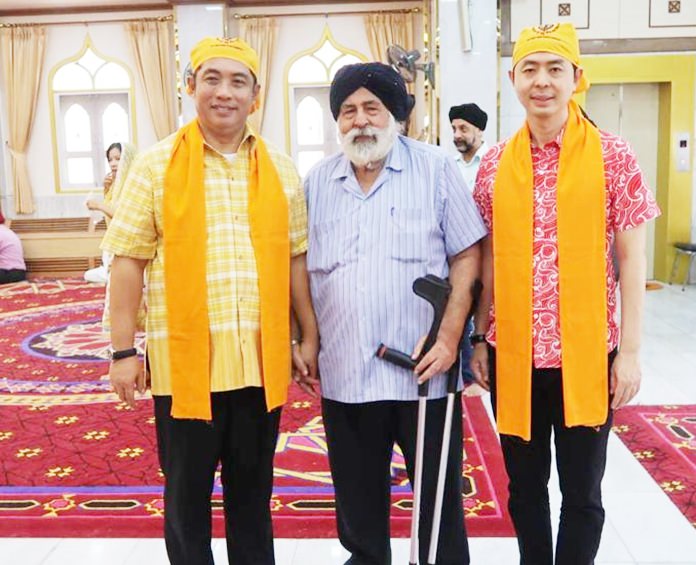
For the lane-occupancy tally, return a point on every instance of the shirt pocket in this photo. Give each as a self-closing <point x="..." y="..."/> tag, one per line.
<point x="410" y="232"/>
<point x="330" y="245"/>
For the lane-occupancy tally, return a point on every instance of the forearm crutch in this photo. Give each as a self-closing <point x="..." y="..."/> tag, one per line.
<point x="436" y="291"/>
<point x="452" y="381"/>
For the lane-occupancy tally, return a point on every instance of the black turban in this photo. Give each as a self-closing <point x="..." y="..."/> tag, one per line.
<point x="469" y="113"/>
<point x="380" y="79"/>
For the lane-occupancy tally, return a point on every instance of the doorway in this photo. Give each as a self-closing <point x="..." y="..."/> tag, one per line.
<point x="632" y="111"/>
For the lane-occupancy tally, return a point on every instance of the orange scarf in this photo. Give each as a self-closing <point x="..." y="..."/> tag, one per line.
<point x="580" y="197"/>
<point x="185" y="272"/>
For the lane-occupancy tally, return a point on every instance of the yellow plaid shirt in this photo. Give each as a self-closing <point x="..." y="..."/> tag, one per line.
<point x="233" y="293"/>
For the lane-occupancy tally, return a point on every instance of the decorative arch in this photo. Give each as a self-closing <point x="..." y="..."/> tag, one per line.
<point x="315" y="66"/>
<point x="87" y="72"/>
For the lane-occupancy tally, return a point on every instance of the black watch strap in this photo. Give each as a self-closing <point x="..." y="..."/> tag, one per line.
<point x="123" y="353"/>
<point x="477" y="338"/>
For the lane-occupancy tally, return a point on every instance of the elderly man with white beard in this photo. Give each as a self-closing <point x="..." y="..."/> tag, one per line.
<point x="383" y="212"/>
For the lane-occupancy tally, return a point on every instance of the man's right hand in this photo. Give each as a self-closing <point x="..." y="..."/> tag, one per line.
<point x="108" y="181"/>
<point x="127" y="376"/>
<point x="479" y="365"/>
<point x="305" y="366"/>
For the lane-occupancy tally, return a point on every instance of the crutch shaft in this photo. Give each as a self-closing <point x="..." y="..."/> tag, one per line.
<point x="418" y="479"/>
<point x="441" y="477"/>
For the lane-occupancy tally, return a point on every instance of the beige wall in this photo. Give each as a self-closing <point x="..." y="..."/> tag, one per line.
<point x="300" y="33"/>
<point x="609" y="19"/>
<point x="611" y="28"/>
<point x="62" y="42"/>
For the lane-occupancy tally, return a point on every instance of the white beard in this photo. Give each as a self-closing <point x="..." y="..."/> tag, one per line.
<point x="362" y="153"/>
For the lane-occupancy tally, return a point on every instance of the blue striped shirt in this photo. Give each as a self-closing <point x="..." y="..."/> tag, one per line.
<point x="365" y="251"/>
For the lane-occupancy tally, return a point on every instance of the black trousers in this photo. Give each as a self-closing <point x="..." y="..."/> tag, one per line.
<point x="12" y="275"/>
<point x="360" y="439"/>
<point x="581" y="455"/>
<point x="242" y="437"/>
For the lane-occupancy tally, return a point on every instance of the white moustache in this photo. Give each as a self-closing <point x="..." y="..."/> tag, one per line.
<point x="372" y="150"/>
<point x="367" y="131"/>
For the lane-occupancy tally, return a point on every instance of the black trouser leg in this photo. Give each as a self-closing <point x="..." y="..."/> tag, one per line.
<point x="247" y="476"/>
<point x="466" y="351"/>
<point x="453" y="547"/>
<point x="189" y="453"/>
<point x="360" y="442"/>
<point x="580" y="458"/>
<point x="12" y="275"/>
<point x="528" y="466"/>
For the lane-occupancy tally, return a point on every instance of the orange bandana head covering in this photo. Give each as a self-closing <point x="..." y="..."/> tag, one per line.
<point x="224" y="48"/>
<point x="561" y="39"/>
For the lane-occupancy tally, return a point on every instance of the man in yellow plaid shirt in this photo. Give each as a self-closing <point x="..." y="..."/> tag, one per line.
<point x="218" y="222"/>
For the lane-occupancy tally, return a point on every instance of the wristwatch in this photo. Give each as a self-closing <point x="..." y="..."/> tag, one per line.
<point x="477" y="338"/>
<point x="123" y="353"/>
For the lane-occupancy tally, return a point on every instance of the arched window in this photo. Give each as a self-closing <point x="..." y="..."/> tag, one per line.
<point x="311" y="130"/>
<point x="91" y="107"/>
<point x="78" y="129"/>
<point x="310" y="121"/>
<point x="115" y="123"/>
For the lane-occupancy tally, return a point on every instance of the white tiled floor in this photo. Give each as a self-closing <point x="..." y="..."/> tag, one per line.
<point x="642" y="526"/>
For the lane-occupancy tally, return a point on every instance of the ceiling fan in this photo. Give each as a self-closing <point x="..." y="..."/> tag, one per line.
<point x="404" y="62"/>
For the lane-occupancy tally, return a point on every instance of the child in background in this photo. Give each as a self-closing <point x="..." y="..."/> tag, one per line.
<point x="119" y="156"/>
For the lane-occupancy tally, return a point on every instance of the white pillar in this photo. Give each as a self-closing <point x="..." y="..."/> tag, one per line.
<point x="468" y="76"/>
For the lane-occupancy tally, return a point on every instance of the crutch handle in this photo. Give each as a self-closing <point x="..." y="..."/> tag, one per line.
<point x="435" y="291"/>
<point x="396" y="357"/>
<point x="401" y="359"/>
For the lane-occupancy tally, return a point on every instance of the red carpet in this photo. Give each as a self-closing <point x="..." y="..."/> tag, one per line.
<point x="75" y="462"/>
<point x="663" y="439"/>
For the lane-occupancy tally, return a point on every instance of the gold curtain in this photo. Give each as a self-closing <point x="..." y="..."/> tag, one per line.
<point x="388" y="29"/>
<point x="260" y="33"/>
<point x="23" y="50"/>
<point x="153" y="49"/>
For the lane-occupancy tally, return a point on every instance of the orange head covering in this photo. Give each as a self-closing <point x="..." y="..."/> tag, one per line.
<point x="561" y="39"/>
<point x="225" y="48"/>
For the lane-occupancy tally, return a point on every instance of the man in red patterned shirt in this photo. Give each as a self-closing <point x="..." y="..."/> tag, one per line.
<point x="556" y="197"/>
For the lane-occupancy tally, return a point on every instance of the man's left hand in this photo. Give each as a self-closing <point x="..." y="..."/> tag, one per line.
<point x="438" y="360"/>
<point x="625" y="378"/>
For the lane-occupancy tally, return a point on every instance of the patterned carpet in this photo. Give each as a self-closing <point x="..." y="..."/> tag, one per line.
<point x="663" y="439"/>
<point x="76" y="462"/>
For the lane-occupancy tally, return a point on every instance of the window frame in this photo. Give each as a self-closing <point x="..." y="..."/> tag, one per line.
<point x="95" y="110"/>
<point x="291" y="144"/>
<point x="60" y="153"/>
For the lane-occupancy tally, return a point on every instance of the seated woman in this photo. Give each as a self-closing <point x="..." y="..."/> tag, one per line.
<point x="119" y="156"/>
<point x="12" y="267"/>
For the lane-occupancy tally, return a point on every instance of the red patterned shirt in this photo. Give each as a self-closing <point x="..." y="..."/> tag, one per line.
<point x="629" y="203"/>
